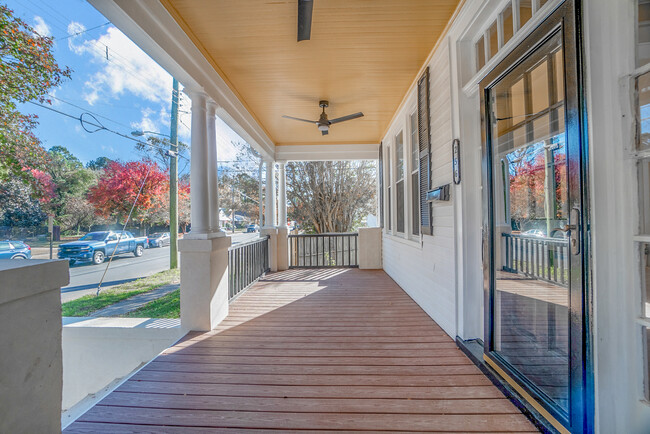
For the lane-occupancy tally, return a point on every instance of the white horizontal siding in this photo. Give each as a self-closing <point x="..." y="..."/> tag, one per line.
<point x="426" y="271"/>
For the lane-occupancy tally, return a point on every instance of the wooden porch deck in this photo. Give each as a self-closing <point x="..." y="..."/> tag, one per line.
<point x="311" y="350"/>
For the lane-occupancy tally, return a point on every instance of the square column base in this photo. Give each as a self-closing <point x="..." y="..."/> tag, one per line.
<point x="283" y="249"/>
<point x="370" y="242"/>
<point x="204" y="282"/>
<point x="273" y="246"/>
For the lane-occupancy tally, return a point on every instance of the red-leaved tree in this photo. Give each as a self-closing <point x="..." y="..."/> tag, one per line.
<point x="118" y="188"/>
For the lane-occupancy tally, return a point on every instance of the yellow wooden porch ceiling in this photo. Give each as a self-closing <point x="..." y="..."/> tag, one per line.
<point x="363" y="56"/>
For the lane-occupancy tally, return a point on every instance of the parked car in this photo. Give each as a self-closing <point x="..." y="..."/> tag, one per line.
<point x="159" y="239"/>
<point x="15" y="250"/>
<point x="252" y="228"/>
<point x="96" y="246"/>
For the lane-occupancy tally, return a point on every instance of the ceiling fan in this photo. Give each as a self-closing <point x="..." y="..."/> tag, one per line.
<point x="324" y="123"/>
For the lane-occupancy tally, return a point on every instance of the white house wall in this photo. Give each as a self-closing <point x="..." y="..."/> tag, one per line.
<point x="425" y="267"/>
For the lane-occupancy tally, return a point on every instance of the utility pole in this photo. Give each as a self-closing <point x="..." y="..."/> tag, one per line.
<point x="173" y="180"/>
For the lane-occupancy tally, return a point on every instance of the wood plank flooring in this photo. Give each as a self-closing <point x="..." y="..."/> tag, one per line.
<point x="311" y="350"/>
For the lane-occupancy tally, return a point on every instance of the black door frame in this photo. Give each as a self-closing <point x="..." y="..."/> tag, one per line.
<point x="565" y="19"/>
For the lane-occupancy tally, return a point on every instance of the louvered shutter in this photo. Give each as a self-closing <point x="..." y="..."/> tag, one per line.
<point x="381" y="185"/>
<point x="424" y="141"/>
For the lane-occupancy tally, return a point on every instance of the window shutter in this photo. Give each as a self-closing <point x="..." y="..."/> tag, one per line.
<point x="381" y="185"/>
<point x="424" y="141"/>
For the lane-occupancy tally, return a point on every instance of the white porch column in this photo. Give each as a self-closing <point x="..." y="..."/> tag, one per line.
<point x="213" y="189"/>
<point x="269" y="216"/>
<point x="204" y="251"/>
<point x="199" y="188"/>
<point x="282" y="197"/>
<point x="269" y="197"/>
<point x="283" y="231"/>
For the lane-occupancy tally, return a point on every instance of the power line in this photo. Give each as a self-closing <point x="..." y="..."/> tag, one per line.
<point x="82" y="32"/>
<point x="99" y="126"/>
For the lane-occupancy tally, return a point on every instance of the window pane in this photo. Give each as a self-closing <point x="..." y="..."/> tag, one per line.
<point x="494" y="39"/>
<point x="415" y="202"/>
<point x="558" y="67"/>
<point x="388" y="167"/>
<point x="644" y="196"/>
<point x="480" y="53"/>
<point x="399" y="199"/>
<point x="645" y="274"/>
<point x="539" y="83"/>
<point x="388" y="211"/>
<point x="399" y="150"/>
<point x="415" y="150"/>
<point x="643" y="33"/>
<point x="643" y="110"/>
<point x="508" y="28"/>
<point x="525" y="12"/>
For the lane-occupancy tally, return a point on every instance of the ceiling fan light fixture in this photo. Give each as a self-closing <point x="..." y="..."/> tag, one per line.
<point x="322" y="127"/>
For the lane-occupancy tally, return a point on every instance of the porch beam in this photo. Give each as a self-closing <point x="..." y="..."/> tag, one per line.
<point x="325" y="152"/>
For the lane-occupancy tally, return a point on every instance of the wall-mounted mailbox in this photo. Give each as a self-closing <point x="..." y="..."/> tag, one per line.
<point x="438" y="194"/>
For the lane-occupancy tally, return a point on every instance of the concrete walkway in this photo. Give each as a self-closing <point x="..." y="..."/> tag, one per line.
<point x="135" y="302"/>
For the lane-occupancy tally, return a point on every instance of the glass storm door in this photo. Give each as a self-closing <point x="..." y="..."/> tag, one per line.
<point x="535" y="214"/>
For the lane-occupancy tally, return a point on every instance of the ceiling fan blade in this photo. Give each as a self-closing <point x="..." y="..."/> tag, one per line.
<point x="324" y="132"/>
<point x="346" y="118"/>
<point x="298" y="119"/>
<point x="304" y="19"/>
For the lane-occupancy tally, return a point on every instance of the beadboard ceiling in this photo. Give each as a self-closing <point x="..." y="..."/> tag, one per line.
<point x="363" y="56"/>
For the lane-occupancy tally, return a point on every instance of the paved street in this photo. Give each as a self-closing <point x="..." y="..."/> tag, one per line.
<point x="85" y="277"/>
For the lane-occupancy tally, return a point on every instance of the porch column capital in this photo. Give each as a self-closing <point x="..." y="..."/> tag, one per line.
<point x="212" y="107"/>
<point x="195" y="93"/>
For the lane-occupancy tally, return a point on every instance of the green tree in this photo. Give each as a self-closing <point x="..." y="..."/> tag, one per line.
<point x="17" y="207"/>
<point x="98" y="163"/>
<point x="28" y="71"/>
<point x="69" y="176"/>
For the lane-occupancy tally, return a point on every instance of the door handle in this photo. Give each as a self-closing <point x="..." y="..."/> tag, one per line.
<point x="573" y="231"/>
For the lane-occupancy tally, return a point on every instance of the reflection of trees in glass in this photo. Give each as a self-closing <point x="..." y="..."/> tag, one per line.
<point x="527" y="172"/>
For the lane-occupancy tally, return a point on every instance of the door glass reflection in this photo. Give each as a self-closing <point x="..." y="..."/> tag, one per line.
<point x="531" y="298"/>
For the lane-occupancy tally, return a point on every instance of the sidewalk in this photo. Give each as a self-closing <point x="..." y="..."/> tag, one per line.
<point x="135" y="302"/>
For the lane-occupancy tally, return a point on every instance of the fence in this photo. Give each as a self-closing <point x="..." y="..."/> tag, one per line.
<point x="542" y="258"/>
<point x="323" y="250"/>
<point x="247" y="262"/>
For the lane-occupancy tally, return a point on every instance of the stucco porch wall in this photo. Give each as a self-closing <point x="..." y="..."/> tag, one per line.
<point x="100" y="352"/>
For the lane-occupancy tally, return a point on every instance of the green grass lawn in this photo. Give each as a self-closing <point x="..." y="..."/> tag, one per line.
<point x="168" y="306"/>
<point x="88" y="304"/>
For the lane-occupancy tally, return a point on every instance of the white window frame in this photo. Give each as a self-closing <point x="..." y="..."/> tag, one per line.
<point x="400" y="131"/>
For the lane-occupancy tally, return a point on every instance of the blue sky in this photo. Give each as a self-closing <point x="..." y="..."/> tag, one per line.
<point x="125" y="91"/>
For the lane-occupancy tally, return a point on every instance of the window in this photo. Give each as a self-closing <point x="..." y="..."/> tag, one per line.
<point x="501" y="30"/>
<point x="415" y="181"/>
<point x="399" y="184"/>
<point x="493" y="38"/>
<point x="389" y="226"/>
<point x="525" y="12"/>
<point x="480" y="53"/>
<point x="508" y="24"/>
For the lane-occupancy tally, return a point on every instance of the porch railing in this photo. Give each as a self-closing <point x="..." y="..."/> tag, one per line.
<point x="247" y="262"/>
<point x="539" y="257"/>
<point x="324" y="250"/>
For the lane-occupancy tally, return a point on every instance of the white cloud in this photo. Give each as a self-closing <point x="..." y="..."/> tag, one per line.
<point x="146" y="123"/>
<point x="125" y="68"/>
<point x="41" y="27"/>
